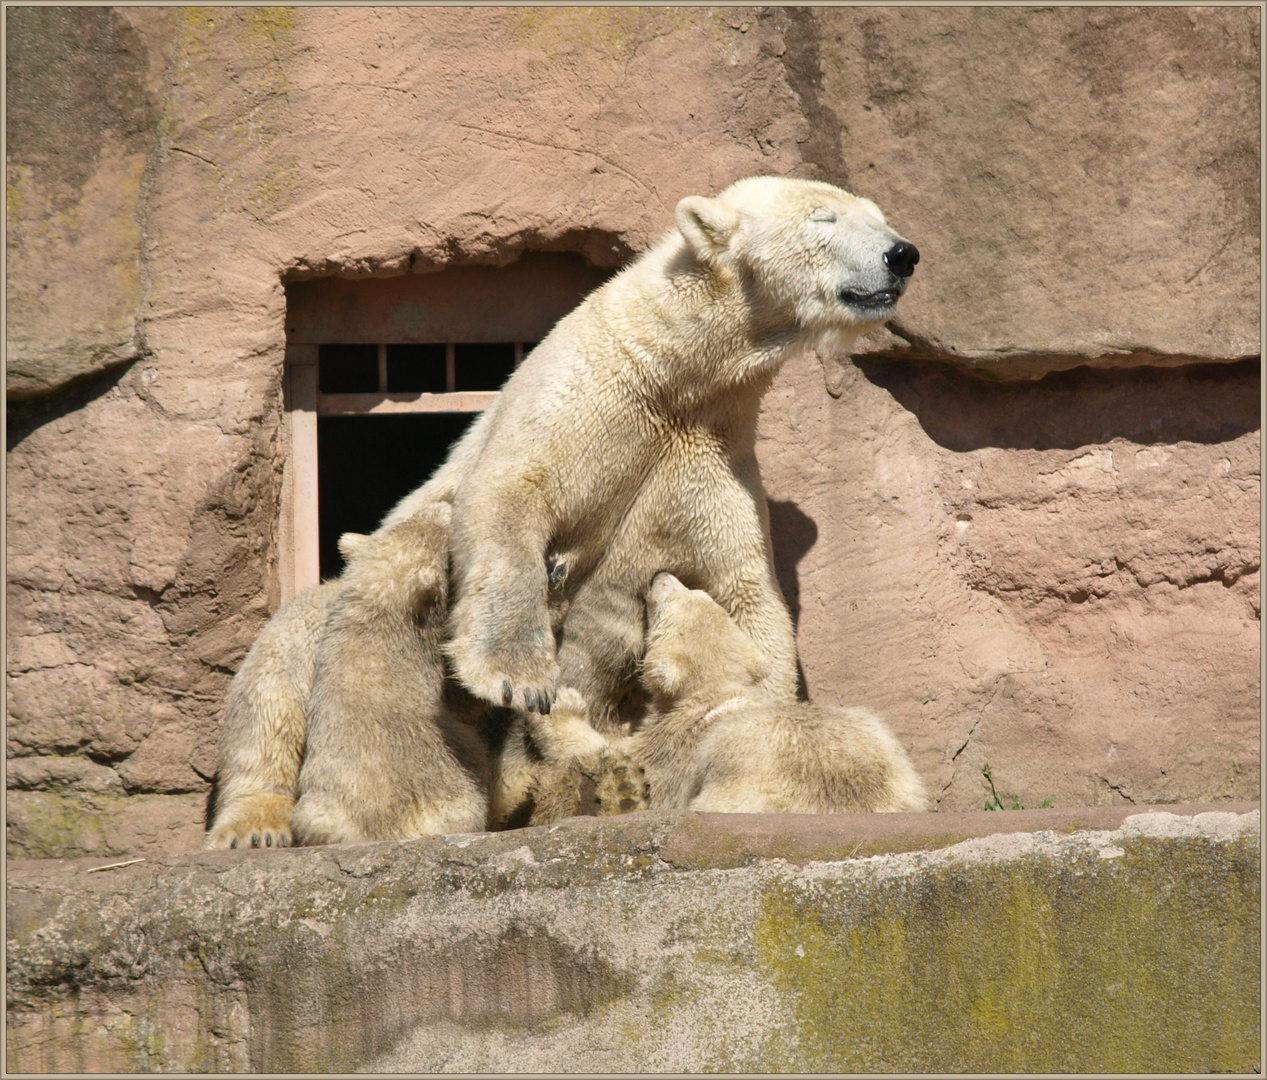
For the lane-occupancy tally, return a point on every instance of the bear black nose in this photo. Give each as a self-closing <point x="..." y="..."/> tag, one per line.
<point x="901" y="258"/>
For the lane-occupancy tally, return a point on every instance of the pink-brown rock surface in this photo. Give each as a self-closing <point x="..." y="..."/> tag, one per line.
<point x="1084" y="184"/>
<point x="82" y="125"/>
<point x="1057" y="577"/>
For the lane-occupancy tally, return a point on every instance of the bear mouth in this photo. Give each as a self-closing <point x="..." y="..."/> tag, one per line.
<point x="879" y="300"/>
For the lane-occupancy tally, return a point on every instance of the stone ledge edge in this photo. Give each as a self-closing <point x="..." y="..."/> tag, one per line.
<point x="683" y="840"/>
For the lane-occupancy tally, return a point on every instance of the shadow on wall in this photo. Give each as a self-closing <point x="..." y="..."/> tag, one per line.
<point x="792" y="533"/>
<point x="28" y="415"/>
<point x="1202" y="403"/>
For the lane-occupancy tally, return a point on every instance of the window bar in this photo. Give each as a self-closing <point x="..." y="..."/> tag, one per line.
<point x="382" y="369"/>
<point x="450" y="369"/>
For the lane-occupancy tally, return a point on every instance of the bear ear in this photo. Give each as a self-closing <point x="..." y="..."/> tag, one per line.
<point x="664" y="676"/>
<point x="431" y="581"/>
<point x="350" y="543"/>
<point x="708" y="226"/>
<point x="741" y="652"/>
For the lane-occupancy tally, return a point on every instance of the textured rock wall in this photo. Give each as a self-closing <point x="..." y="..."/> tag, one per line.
<point x="1059" y="577"/>
<point x="82" y="128"/>
<point x="1042" y="941"/>
<point x="1085" y="183"/>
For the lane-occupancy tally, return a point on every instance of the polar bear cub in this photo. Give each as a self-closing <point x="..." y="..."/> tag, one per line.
<point x="265" y="726"/>
<point x="340" y="725"/>
<point x="394" y="748"/>
<point x="715" y="741"/>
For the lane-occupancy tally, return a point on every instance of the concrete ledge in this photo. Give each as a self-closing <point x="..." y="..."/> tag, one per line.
<point x="1089" y="940"/>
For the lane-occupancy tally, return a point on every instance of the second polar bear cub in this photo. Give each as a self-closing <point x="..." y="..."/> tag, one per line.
<point x="714" y="741"/>
<point x="393" y="749"/>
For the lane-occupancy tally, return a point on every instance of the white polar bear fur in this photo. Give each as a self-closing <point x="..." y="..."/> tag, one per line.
<point x="394" y="752"/>
<point x="265" y="726"/>
<point x="715" y="741"/>
<point x="340" y="725"/>
<point x="624" y="445"/>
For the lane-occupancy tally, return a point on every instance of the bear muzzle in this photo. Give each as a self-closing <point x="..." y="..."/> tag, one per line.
<point x="871" y="302"/>
<point x="900" y="262"/>
<point x="663" y="585"/>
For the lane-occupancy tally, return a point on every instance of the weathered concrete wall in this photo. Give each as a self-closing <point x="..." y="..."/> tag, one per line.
<point x="1059" y="577"/>
<point x="1078" y="941"/>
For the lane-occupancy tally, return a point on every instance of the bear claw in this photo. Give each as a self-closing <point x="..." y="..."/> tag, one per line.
<point x="538" y="700"/>
<point x="240" y="838"/>
<point x="253" y="821"/>
<point x="535" y="700"/>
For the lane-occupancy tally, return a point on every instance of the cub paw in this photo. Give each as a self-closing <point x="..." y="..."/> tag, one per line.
<point x="253" y="821"/>
<point x="617" y="786"/>
<point x="609" y="784"/>
<point x="567" y="735"/>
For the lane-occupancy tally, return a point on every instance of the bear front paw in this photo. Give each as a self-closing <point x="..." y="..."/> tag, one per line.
<point x="527" y="680"/>
<point x="253" y="821"/>
<point x="611" y="783"/>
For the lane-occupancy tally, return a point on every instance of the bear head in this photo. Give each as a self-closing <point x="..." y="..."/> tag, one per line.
<point x="694" y="649"/>
<point x="807" y="252"/>
<point x="403" y="567"/>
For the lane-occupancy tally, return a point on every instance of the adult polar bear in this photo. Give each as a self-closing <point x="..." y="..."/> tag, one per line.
<point x="624" y="445"/>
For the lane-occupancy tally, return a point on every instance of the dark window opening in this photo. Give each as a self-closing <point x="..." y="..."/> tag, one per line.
<point x="483" y="366"/>
<point x="416" y="369"/>
<point x="366" y="464"/>
<point x="347" y="369"/>
<point x="402" y="366"/>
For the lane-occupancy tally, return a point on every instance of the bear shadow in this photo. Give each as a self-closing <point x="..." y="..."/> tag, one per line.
<point x="793" y="533"/>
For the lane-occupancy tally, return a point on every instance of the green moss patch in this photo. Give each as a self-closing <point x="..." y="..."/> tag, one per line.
<point x="1139" y="963"/>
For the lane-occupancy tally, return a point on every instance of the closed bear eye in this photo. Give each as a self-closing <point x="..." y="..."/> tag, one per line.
<point x="823" y="215"/>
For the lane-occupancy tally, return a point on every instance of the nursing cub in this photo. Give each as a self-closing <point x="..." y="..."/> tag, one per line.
<point x="716" y="740"/>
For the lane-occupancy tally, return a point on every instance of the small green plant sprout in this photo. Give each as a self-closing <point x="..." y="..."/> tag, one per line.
<point x="992" y="802"/>
<point x="996" y="803"/>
